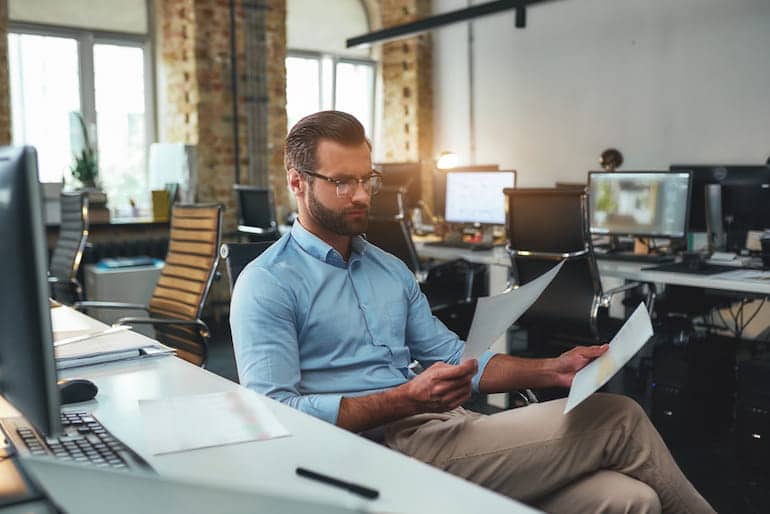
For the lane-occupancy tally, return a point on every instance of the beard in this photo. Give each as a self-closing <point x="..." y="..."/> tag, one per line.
<point x="337" y="221"/>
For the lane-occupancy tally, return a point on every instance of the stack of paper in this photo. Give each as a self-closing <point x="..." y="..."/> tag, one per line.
<point x="78" y="341"/>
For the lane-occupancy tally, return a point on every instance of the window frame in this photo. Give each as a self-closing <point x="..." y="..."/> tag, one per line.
<point x="86" y="39"/>
<point x="335" y="59"/>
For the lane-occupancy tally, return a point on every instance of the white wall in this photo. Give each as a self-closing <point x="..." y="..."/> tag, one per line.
<point x="664" y="82"/>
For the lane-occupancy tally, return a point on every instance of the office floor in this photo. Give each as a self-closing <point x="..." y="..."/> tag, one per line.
<point x="712" y="467"/>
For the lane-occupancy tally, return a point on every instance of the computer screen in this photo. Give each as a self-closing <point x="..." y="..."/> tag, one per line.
<point x="27" y="366"/>
<point x="750" y="182"/>
<point x="256" y="205"/>
<point x="477" y="196"/>
<point x="639" y="203"/>
<point x="404" y="175"/>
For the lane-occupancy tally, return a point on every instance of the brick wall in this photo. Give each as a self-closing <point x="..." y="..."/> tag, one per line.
<point x="408" y="91"/>
<point x="194" y="61"/>
<point x="5" y="95"/>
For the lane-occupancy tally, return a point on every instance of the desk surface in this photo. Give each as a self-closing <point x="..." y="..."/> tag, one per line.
<point x="634" y="271"/>
<point x="628" y="270"/>
<point x="405" y="484"/>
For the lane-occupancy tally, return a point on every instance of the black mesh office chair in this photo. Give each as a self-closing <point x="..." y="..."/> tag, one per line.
<point x="238" y="255"/>
<point x="256" y="213"/>
<point x="546" y="226"/>
<point x="68" y="252"/>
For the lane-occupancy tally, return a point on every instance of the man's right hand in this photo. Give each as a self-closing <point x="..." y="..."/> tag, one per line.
<point x="441" y="387"/>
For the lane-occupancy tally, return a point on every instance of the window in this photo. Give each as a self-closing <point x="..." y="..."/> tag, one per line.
<point x="56" y="73"/>
<point x="316" y="82"/>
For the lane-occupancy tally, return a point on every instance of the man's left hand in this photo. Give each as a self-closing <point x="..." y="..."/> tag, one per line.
<point x="569" y="363"/>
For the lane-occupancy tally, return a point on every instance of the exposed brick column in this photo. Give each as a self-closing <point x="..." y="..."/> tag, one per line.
<point x="194" y="66"/>
<point x="407" y="75"/>
<point x="5" y="90"/>
<point x="194" y="61"/>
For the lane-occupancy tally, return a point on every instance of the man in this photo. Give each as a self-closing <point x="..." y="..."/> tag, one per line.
<point x="329" y="324"/>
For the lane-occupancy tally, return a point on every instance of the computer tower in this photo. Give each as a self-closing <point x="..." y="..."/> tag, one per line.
<point x="752" y="416"/>
<point x="693" y="389"/>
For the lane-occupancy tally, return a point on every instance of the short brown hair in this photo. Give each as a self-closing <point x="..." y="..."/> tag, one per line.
<point x="303" y="138"/>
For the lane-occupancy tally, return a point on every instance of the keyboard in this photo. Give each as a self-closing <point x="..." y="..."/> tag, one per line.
<point x="634" y="257"/>
<point x="465" y="245"/>
<point x="83" y="439"/>
<point x="701" y="269"/>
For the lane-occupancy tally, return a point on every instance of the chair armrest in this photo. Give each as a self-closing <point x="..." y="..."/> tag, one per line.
<point x="608" y="295"/>
<point x="130" y="320"/>
<point x="108" y="305"/>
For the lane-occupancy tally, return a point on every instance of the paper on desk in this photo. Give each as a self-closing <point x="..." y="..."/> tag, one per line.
<point x="201" y="421"/>
<point x="636" y="331"/>
<point x="494" y="314"/>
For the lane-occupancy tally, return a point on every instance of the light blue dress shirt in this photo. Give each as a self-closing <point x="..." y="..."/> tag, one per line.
<point x="309" y="328"/>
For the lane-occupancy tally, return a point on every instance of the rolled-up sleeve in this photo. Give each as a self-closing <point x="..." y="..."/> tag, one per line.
<point x="264" y="328"/>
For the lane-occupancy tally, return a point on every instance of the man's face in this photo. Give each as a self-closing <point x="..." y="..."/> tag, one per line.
<point x="346" y="216"/>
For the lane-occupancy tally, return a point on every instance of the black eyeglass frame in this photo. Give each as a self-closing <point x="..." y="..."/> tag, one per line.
<point x="373" y="190"/>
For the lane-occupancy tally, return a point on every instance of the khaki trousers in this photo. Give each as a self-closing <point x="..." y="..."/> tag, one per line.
<point x="603" y="456"/>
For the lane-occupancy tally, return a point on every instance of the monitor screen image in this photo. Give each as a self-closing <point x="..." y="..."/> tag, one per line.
<point x="27" y="364"/>
<point x="477" y="196"/>
<point x="639" y="203"/>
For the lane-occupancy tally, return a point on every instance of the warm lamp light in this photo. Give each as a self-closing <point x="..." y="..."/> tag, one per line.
<point x="447" y="160"/>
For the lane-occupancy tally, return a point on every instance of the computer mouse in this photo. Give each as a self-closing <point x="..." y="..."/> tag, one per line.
<point x="77" y="390"/>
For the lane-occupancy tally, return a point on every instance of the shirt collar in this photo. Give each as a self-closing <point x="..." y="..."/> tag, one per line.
<point x="321" y="250"/>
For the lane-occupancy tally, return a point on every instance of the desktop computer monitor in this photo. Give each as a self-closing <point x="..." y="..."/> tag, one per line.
<point x="742" y="189"/>
<point x="476" y="197"/>
<point x="27" y="366"/>
<point x="639" y="203"/>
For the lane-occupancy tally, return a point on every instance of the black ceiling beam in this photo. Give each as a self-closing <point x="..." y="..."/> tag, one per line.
<point x="439" y="20"/>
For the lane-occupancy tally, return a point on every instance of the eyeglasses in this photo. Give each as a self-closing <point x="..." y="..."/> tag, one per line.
<point x="346" y="187"/>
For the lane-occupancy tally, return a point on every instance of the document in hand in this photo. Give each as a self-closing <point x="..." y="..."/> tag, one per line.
<point x="494" y="314"/>
<point x="630" y="338"/>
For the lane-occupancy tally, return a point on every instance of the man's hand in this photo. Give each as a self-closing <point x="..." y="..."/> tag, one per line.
<point x="569" y="363"/>
<point x="441" y="387"/>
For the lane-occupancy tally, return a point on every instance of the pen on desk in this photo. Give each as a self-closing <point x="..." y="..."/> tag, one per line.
<point x="85" y="337"/>
<point x="351" y="487"/>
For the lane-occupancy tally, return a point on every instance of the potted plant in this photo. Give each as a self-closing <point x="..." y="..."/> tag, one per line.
<point x="86" y="167"/>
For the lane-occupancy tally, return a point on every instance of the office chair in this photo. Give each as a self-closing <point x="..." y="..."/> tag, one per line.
<point x="451" y="287"/>
<point x="68" y="252"/>
<point x="238" y="255"/>
<point x="256" y="218"/>
<point x="546" y="226"/>
<point x="178" y="298"/>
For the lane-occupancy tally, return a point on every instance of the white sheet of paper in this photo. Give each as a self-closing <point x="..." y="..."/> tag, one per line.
<point x="201" y="421"/>
<point x="636" y="331"/>
<point x="494" y="314"/>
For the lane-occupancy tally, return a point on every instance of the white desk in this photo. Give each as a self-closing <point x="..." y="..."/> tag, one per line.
<point x="633" y="271"/>
<point x="405" y="484"/>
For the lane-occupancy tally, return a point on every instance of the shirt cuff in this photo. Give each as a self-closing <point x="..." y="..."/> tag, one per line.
<point x="483" y="361"/>
<point x="326" y="407"/>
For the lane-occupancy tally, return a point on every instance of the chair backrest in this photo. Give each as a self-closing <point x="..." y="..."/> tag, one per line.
<point x="388" y="204"/>
<point x="544" y="227"/>
<point x="73" y="234"/>
<point x="184" y="283"/>
<point x="255" y="206"/>
<point x="394" y="236"/>
<point x="238" y="255"/>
